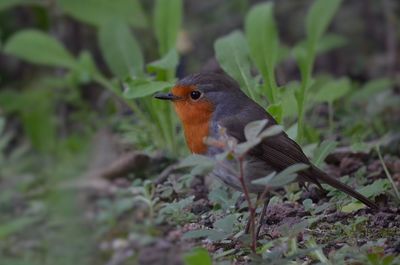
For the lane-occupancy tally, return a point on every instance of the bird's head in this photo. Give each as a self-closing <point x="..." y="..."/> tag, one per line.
<point x="199" y="95"/>
<point x="197" y="99"/>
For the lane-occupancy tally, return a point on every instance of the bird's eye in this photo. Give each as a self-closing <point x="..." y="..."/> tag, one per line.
<point x="195" y="95"/>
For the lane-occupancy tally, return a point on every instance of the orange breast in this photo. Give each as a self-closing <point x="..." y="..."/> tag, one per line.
<point x="195" y="118"/>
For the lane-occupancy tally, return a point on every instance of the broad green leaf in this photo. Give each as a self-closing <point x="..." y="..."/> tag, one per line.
<point x="232" y="54"/>
<point x="319" y="17"/>
<point x="196" y="160"/>
<point x="227" y="223"/>
<point x="86" y="68"/>
<point x="198" y="256"/>
<point x="167" y="62"/>
<point x="211" y="234"/>
<point x="120" y="49"/>
<point x="39" y="123"/>
<point x="98" y="12"/>
<point x="291" y="230"/>
<point x="244" y="147"/>
<point x="292" y="131"/>
<point x="370" y="89"/>
<point x="14" y="226"/>
<point x="39" y="48"/>
<point x="330" y="42"/>
<point x="289" y="107"/>
<point x="2" y="124"/>
<point x="255" y="135"/>
<point x="220" y="196"/>
<point x="6" y="4"/>
<point x="262" y="36"/>
<point x="167" y="23"/>
<point x="271" y="131"/>
<point x="303" y="61"/>
<point x="308" y="205"/>
<point x="322" y="151"/>
<point x="282" y="178"/>
<point x="254" y="128"/>
<point x="352" y="207"/>
<point x="333" y="90"/>
<point x="138" y="88"/>
<point x="378" y="187"/>
<point x="276" y="111"/>
<point x="265" y="180"/>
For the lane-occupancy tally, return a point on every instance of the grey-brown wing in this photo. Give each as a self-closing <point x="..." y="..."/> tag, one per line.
<point x="281" y="152"/>
<point x="278" y="152"/>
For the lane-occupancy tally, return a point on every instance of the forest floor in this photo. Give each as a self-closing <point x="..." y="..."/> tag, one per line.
<point x="177" y="213"/>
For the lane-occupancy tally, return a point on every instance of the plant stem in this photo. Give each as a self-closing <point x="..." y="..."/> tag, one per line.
<point x="306" y="75"/>
<point x="396" y="191"/>
<point x="252" y="209"/>
<point x="330" y="114"/>
<point x="98" y="78"/>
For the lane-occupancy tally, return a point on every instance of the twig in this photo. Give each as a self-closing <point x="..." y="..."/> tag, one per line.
<point x="165" y="173"/>
<point x="123" y="165"/>
<point x="251" y="207"/>
<point x="396" y="191"/>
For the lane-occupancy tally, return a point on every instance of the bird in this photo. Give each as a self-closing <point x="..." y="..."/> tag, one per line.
<point x="207" y="101"/>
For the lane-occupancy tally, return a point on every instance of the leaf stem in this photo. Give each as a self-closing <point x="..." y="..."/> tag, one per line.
<point x="388" y="175"/>
<point x="252" y="209"/>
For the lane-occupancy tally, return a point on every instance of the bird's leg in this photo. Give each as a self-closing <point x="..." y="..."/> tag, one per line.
<point x="248" y="224"/>
<point x="262" y="216"/>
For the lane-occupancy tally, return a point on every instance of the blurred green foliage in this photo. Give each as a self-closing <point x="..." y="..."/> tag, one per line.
<point x="69" y="68"/>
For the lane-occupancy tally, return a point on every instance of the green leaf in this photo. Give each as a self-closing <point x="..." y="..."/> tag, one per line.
<point x="6" y="4"/>
<point x="282" y="178"/>
<point x="276" y="111"/>
<point x="167" y="23"/>
<point x="39" y="48"/>
<point x="244" y="147"/>
<point x="254" y="135"/>
<point x="167" y="62"/>
<point x="352" y="207"/>
<point x="289" y="108"/>
<point x="195" y="160"/>
<point x="226" y="224"/>
<point x="198" y="256"/>
<point x="370" y="89"/>
<point x="330" y="42"/>
<point x="262" y="36"/>
<point x="14" y="226"/>
<point x="333" y="90"/>
<point x="86" y="68"/>
<point x="254" y="128"/>
<point x="271" y="131"/>
<point x="120" y="49"/>
<point x="2" y="124"/>
<point x="378" y="187"/>
<point x="98" y="12"/>
<point x="388" y="260"/>
<point x="232" y="54"/>
<point x="211" y="234"/>
<point x="319" y="17"/>
<point x="322" y="151"/>
<point x="138" y="88"/>
<point x="39" y="122"/>
<point x="308" y="205"/>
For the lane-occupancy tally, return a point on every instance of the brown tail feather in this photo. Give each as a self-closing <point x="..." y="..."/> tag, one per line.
<point x="325" y="178"/>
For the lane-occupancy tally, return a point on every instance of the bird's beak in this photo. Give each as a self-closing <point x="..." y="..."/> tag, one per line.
<point x="166" y="96"/>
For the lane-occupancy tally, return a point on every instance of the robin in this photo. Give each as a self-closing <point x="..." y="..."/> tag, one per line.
<point x="205" y="102"/>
